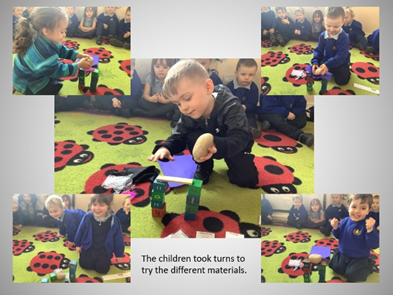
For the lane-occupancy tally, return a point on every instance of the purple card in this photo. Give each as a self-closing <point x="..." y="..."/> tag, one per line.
<point x="323" y="251"/>
<point x="327" y="76"/>
<point x="95" y="63"/>
<point x="183" y="166"/>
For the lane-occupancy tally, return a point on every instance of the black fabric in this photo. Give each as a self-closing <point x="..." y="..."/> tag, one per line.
<point x="92" y="260"/>
<point x="291" y="128"/>
<point x="156" y="109"/>
<point x="354" y="270"/>
<point x="341" y="74"/>
<point x="310" y="112"/>
<point x="140" y="174"/>
<point x="52" y="88"/>
<point x="100" y="232"/>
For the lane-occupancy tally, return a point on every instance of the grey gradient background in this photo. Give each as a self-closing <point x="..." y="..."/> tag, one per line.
<point x="352" y="141"/>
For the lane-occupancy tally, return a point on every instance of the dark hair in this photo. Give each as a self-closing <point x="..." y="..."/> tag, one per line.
<point x="40" y="18"/>
<point x="169" y="62"/>
<point x="315" y="201"/>
<point x="128" y="9"/>
<point x="335" y="12"/>
<point x="319" y="13"/>
<point x="281" y="8"/>
<point x="365" y="198"/>
<point x="101" y="198"/>
<point x="94" y="9"/>
<point x="68" y="199"/>
<point x="246" y="62"/>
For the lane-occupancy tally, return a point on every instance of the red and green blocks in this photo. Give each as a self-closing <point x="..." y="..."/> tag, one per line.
<point x="157" y="198"/>
<point x="193" y="198"/>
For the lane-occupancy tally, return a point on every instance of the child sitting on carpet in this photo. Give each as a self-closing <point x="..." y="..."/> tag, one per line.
<point x="318" y="25"/>
<point x="316" y="216"/>
<point x="266" y="211"/>
<point x="46" y="219"/>
<point x="373" y="41"/>
<point x="38" y="48"/>
<point x="374" y="213"/>
<point x="17" y="215"/>
<point x="99" y="236"/>
<point x="355" y="32"/>
<point x="267" y="24"/>
<point x="72" y="22"/>
<point x="302" y="26"/>
<point x="357" y="236"/>
<point x="210" y="109"/>
<point x="287" y="114"/>
<point x="107" y="24"/>
<point x="67" y="202"/>
<point x="67" y="220"/>
<point x="87" y="25"/>
<point x="124" y="215"/>
<point x="297" y="216"/>
<point x="334" y="210"/>
<point x="27" y="203"/>
<point x="153" y="103"/>
<point x="246" y="90"/>
<point x="284" y="27"/>
<point x="332" y="52"/>
<point x="124" y="32"/>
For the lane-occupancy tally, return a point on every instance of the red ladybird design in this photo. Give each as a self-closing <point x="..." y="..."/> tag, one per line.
<point x="124" y="263"/>
<point x="293" y="79"/>
<point x="263" y="279"/>
<point x="127" y="240"/>
<point x="336" y="280"/>
<point x="15" y="231"/>
<point x="209" y="221"/>
<point x="297" y="237"/>
<point x="370" y="55"/>
<point x="301" y="49"/>
<point x="69" y="153"/>
<point x="103" y="54"/>
<point x="375" y="261"/>
<point x="265" y="87"/>
<point x="278" y="142"/>
<point x="366" y="70"/>
<point x="86" y="279"/>
<point x="291" y="271"/>
<point x="116" y="134"/>
<point x="274" y="177"/>
<point x="265" y="231"/>
<point x="47" y="236"/>
<point x="102" y="89"/>
<point x="67" y="245"/>
<point x="266" y="44"/>
<point x="328" y="242"/>
<point x="46" y="262"/>
<point x="23" y="246"/>
<point x="268" y="248"/>
<point x="274" y="58"/>
<point x="70" y="44"/>
<point x="338" y="91"/>
<point x="125" y="65"/>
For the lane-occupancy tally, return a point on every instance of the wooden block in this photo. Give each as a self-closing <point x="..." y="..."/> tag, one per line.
<point x="155" y="212"/>
<point x="163" y="178"/>
<point x="229" y="235"/>
<point x="191" y="209"/>
<point x="159" y="186"/>
<point x="44" y="280"/>
<point x="205" y="235"/>
<point x="193" y="200"/>
<point x="158" y="196"/>
<point x="157" y="204"/>
<point x="189" y="216"/>
<point x="52" y="276"/>
<point x="116" y="276"/>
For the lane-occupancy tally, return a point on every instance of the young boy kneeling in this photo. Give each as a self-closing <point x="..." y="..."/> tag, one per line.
<point x="208" y="109"/>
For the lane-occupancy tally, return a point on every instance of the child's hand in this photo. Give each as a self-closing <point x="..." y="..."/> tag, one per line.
<point x="314" y="67"/>
<point x="71" y="244"/>
<point x="60" y="236"/>
<point x="78" y="249"/>
<point x="269" y="217"/>
<point x="370" y="224"/>
<point x="334" y="223"/>
<point x="161" y="98"/>
<point x="116" y="103"/>
<point x="324" y="69"/>
<point x="291" y="116"/>
<point x="210" y="152"/>
<point x="244" y="107"/>
<point x="297" y="32"/>
<point x="271" y="31"/>
<point x="285" y="21"/>
<point x="82" y="55"/>
<point x="105" y="26"/>
<point x="83" y="64"/>
<point x="129" y="228"/>
<point x="161" y="153"/>
<point x="265" y="32"/>
<point x="127" y="34"/>
<point x="296" y="218"/>
<point x="18" y="226"/>
<point x="43" y="216"/>
<point x="378" y="228"/>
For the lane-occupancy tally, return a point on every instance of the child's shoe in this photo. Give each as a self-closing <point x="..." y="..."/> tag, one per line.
<point x="140" y="112"/>
<point x="369" y="49"/>
<point x="265" y="125"/>
<point x="256" y="133"/>
<point x="281" y="40"/>
<point x="360" y="46"/>
<point x="99" y="40"/>
<point x="116" y="43"/>
<point x="306" y="138"/>
<point x="273" y="40"/>
<point x="324" y="231"/>
<point x="298" y="226"/>
<point x="111" y="36"/>
<point x="127" y="46"/>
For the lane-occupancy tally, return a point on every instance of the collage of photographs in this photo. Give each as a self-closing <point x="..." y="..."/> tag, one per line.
<point x="192" y="147"/>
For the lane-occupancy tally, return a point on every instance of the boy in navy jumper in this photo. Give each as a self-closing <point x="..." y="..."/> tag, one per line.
<point x="73" y="22"/>
<point x="266" y="211"/>
<point x="303" y="27"/>
<point x="283" y="26"/>
<point x="267" y="24"/>
<point x="208" y="109"/>
<point x="373" y="41"/>
<point x="17" y="215"/>
<point x="332" y="52"/>
<point x="67" y="220"/>
<point x="374" y="213"/>
<point x="335" y="210"/>
<point x="246" y="90"/>
<point x="107" y="24"/>
<point x="355" y="32"/>
<point x="357" y="235"/>
<point x="287" y="114"/>
<point x="124" y="32"/>
<point x="124" y="215"/>
<point x="298" y="215"/>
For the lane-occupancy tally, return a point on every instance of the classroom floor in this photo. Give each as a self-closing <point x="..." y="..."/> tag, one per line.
<point x="32" y="246"/>
<point x="280" y="243"/>
<point x="114" y="69"/>
<point x="277" y="64"/>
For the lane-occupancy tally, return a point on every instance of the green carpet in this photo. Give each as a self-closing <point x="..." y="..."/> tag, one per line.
<point x="276" y="69"/>
<point x="114" y="69"/>
<point x="284" y="169"/>
<point x="28" y="260"/>
<point x="278" y="247"/>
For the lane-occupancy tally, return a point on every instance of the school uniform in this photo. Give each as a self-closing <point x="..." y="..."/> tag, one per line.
<point x="374" y="215"/>
<point x="47" y="221"/>
<point x="305" y="30"/>
<point x="267" y="22"/>
<point x="266" y="210"/>
<point x="88" y="23"/>
<point x="373" y="41"/>
<point x="334" y="211"/>
<point x="124" y="27"/>
<point x="355" y="33"/>
<point x="125" y="219"/>
<point x="69" y="222"/>
<point x="17" y="217"/>
<point x="286" y="31"/>
<point x="111" y="20"/>
<point x="299" y="213"/>
<point x="73" y="24"/>
<point x="215" y="78"/>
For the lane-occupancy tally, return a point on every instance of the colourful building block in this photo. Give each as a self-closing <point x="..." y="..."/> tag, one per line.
<point x="193" y="200"/>
<point x="44" y="280"/>
<point x="94" y="81"/>
<point x="157" y="196"/>
<point x="189" y="216"/>
<point x="191" y="209"/>
<point x="156" y="212"/>
<point x="195" y="188"/>
<point x="52" y="276"/>
<point x="159" y="186"/>
<point x="81" y="78"/>
<point x="306" y="277"/>
<point x="157" y="204"/>
<point x="310" y="82"/>
<point x="73" y="265"/>
<point x="324" y="86"/>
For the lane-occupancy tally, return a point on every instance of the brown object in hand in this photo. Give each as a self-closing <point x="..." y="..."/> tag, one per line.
<point x="318" y="71"/>
<point x="90" y="60"/>
<point x="201" y="145"/>
<point x="315" y="258"/>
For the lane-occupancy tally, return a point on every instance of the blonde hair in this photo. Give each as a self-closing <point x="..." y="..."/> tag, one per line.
<point x="299" y="9"/>
<point x="295" y="197"/>
<point x="125" y="199"/>
<point x="376" y="197"/>
<point x="350" y="12"/>
<point x="15" y="200"/>
<point x="54" y="200"/>
<point x="183" y="69"/>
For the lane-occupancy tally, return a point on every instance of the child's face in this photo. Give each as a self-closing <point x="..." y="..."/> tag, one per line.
<point x="299" y="16"/>
<point x="204" y="62"/>
<point x="55" y="211"/>
<point x="333" y="25"/>
<point x="58" y="33"/>
<point x="297" y="203"/>
<point x="264" y="9"/>
<point x="336" y="199"/>
<point x="245" y="75"/>
<point x="18" y="11"/>
<point x="109" y="10"/>
<point x="348" y="18"/>
<point x="281" y="14"/>
<point x="358" y="211"/>
<point x="161" y="69"/>
<point x="128" y="16"/>
<point x="317" y="18"/>
<point x="127" y="205"/>
<point x="66" y="204"/>
<point x="375" y="205"/>
<point x="89" y="13"/>
<point x="100" y="210"/>
<point x="14" y="207"/>
<point x="194" y="98"/>
<point x="315" y="207"/>
<point x="27" y="199"/>
<point x="70" y="10"/>
<point x="30" y="9"/>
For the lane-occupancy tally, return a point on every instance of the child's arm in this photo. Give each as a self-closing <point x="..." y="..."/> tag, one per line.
<point x="146" y="94"/>
<point x="79" y="234"/>
<point x="272" y="104"/>
<point x="372" y="236"/>
<point x="118" y="240"/>
<point x="299" y="106"/>
<point x="342" y="46"/>
<point x="336" y="228"/>
<point x="319" y="51"/>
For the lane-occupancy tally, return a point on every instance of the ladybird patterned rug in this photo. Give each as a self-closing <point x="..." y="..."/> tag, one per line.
<point x="113" y="65"/>
<point x="278" y="64"/>
<point x="282" y="247"/>
<point x="38" y="251"/>
<point x="91" y="145"/>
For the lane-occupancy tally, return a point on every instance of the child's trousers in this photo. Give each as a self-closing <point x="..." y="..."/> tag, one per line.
<point x="291" y="128"/>
<point x="355" y="270"/>
<point x="91" y="260"/>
